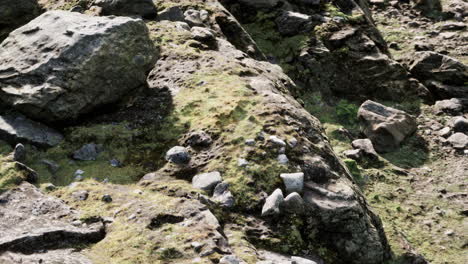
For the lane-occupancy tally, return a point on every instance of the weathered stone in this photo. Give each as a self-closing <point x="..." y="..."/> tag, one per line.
<point x="292" y="23"/>
<point x="52" y="166"/>
<point x="275" y="141"/>
<point x="199" y="139"/>
<point x="222" y="195"/>
<point x="299" y="260"/>
<point x="229" y="259"/>
<point x="144" y="8"/>
<point x="283" y="159"/>
<point x="355" y="154"/>
<point x="19" y="154"/>
<point x="87" y="153"/>
<point x="173" y="13"/>
<point x="460" y="124"/>
<point x="80" y="195"/>
<point x="429" y="65"/>
<point x="293" y="182"/>
<point x="50" y="72"/>
<point x="386" y="127"/>
<point x="452" y="106"/>
<point x="207" y="181"/>
<point x="273" y="203"/>
<point x="17" y="128"/>
<point x="293" y="203"/>
<point x="445" y="132"/>
<point x="202" y="34"/>
<point x="242" y="163"/>
<point x="195" y="18"/>
<point x="106" y="198"/>
<point x="178" y="155"/>
<point x="366" y="146"/>
<point x="458" y="140"/>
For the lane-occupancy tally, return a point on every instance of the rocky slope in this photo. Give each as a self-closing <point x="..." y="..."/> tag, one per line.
<point x="188" y="135"/>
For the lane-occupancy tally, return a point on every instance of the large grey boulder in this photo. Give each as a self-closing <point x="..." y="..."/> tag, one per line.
<point x="62" y="64"/>
<point x="386" y="127"/>
<point x="19" y="129"/>
<point x="143" y="8"/>
<point x="15" y="13"/>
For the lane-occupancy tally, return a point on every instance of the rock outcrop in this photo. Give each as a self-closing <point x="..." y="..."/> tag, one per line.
<point x="444" y="76"/>
<point x="143" y="8"/>
<point x="33" y="223"/>
<point x="62" y="65"/>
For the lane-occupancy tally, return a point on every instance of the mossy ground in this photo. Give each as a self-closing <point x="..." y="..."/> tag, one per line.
<point x="400" y="186"/>
<point x="128" y="240"/>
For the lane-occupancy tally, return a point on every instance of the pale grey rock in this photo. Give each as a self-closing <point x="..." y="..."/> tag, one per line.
<point x="207" y="181"/>
<point x="458" y="140"/>
<point x="229" y="259"/>
<point x="293" y="182"/>
<point x="277" y="141"/>
<point x="242" y="163"/>
<point x="452" y="106"/>
<point x="62" y="65"/>
<point x="299" y="260"/>
<point x="273" y="203"/>
<point x="178" y="155"/>
<point x="283" y="159"/>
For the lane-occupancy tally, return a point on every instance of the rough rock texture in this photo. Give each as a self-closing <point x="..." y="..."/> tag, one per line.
<point x="207" y="181"/>
<point x="386" y="127"/>
<point x="214" y="96"/>
<point x="15" y="13"/>
<point x="273" y="203"/>
<point x="19" y="129"/>
<point x="144" y="8"/>
<point x="33" y="223"/>
<point x="445" y="76"/>
<point x="338" y="54"/>
<point x="52" y="59"/>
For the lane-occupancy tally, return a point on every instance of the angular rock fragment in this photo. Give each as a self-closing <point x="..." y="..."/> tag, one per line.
<point x="293" y="182"/>
<point x="273" y="203"/>
<point x="293" y="203"/>
<point x="386" y="127"/>
<point x="17" y="128"/>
